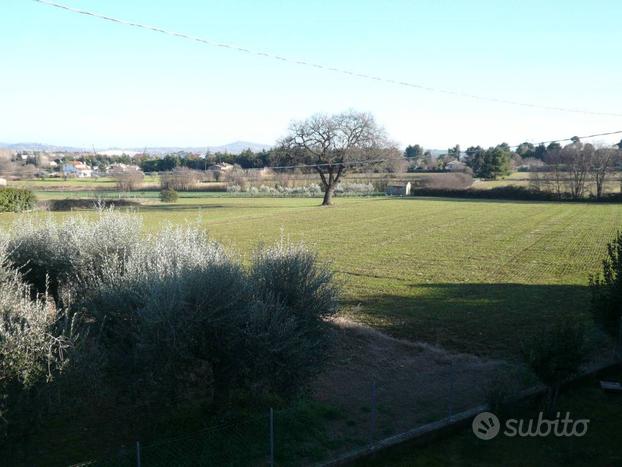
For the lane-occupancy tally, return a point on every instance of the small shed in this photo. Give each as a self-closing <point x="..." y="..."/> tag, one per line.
<point x="399" y="189"/>
<point x="2" y="181"/>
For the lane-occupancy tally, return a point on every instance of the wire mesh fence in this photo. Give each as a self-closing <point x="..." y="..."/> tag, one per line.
<point x="236" y="444"/>
<point x="354" y="417"/>
<point x="308" y="433"/>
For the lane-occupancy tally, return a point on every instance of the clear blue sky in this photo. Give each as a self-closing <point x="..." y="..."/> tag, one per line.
<point x="71" y="79"/>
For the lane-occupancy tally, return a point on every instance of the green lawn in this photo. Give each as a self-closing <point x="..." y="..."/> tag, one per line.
<point x="474" y="276"/>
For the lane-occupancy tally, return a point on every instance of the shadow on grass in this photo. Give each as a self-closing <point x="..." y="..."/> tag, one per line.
<point x="179" y="207"/>
<point x="483" y="319"/>
<point x="500" y="200"/>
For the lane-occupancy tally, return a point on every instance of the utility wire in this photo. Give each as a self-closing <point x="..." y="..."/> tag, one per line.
<point x="321" y="66"/>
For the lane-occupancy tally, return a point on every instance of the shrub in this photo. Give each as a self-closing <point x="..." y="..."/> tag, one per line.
<point x="180" y="179"/>
<point x="555" y="355"/>
<point x="504" y="192"/>
<point x="16" y="200"/>
<point x="169" y="196"/>
<point x="173" y="302"/>
<point x="34" y="346"/>
<point x="295" y="296"/>
<point x="607" y="290"/>
<point x="353" y="188"/>
<point x="445" y="181"/>
<point x="291" y="274"/>
<point x="69" y="204"/>
<point x="171" y="316"/>
<point x="52" y="254"/>
<point x="129" y="179"/>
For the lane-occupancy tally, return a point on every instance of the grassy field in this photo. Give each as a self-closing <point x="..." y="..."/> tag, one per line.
<point x="475" y="276"/>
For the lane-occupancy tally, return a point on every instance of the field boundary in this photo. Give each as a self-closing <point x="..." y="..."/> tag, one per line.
<point x="441" y="428"/>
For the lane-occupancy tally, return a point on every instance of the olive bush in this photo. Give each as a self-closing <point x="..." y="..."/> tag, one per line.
<point x="35" y="342"/>
<point x="172" y="316"/>
<point x="52" y="254"/>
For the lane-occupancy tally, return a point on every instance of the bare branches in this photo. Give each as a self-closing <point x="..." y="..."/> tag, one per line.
<point x="333" y="140"/>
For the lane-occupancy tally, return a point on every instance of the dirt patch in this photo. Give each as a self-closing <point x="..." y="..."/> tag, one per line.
<point x="414" y="383"/>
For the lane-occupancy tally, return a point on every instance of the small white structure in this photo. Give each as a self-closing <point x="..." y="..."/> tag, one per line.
<point x="399" y="189"/>
<point x="2" y="181"/>
<point x="221" y="167"/>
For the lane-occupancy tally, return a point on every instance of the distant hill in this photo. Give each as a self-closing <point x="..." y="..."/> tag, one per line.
<point x="233" y="148"/>
<point x="39" y="147"/>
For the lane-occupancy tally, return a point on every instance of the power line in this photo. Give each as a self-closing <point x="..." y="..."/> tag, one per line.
<point x="321" y="66"/>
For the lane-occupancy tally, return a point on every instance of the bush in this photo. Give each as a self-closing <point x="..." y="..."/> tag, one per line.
<point x="504" y="192"/>
<point x="519" y="193"/>
<point x="16" y="200"/>
<point x="52" y="255"/>
<point x="171" y="316"/>
<point x="169" y="196"/>
<point x="175" y="303"/>
<point x="180" y="179"/>
<point x="555" y="355"/>
<point x="607" y="290"/>
<point x="35" y="342"/>
<point x="445" y="181"/>
<point x="129" y="179"/>
<point x="290" y="274"/>
<point x="345" y="189"/>
<point x="69" y="204"/>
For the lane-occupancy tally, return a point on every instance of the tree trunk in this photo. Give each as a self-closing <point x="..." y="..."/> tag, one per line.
<point x="328" y="196"/>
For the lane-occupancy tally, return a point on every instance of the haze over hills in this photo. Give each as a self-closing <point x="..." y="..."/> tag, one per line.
<point x="235" y="147"/>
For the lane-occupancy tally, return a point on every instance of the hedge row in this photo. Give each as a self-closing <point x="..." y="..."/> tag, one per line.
<point x="16" y="200"/>
<point x="511" y="193"/>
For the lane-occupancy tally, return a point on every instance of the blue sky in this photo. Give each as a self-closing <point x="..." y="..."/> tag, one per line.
<point x="71" y="79"/>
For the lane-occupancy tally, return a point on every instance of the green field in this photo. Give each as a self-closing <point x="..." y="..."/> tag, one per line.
<point x="475" y="276"/>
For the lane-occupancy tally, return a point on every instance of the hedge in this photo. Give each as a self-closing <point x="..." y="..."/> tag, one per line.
<point x="511" y="193"/>
<point x="16" y="200"/>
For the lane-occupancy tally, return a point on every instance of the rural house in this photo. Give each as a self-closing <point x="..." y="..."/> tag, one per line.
<point x="77" y="169"/>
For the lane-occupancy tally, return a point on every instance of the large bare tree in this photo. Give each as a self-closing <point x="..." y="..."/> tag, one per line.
<point x="602" y="164"/>
<point x="577" y="159"/>
<point x="334" y="143"/>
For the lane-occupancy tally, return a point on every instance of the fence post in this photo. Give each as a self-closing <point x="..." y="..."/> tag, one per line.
<point x="271" y="437"/>
<point x="137" y="453"/>
<point x="372" y="427"/>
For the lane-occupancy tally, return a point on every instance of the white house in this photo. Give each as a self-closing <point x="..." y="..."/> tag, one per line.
<point x="77" y="169"/>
